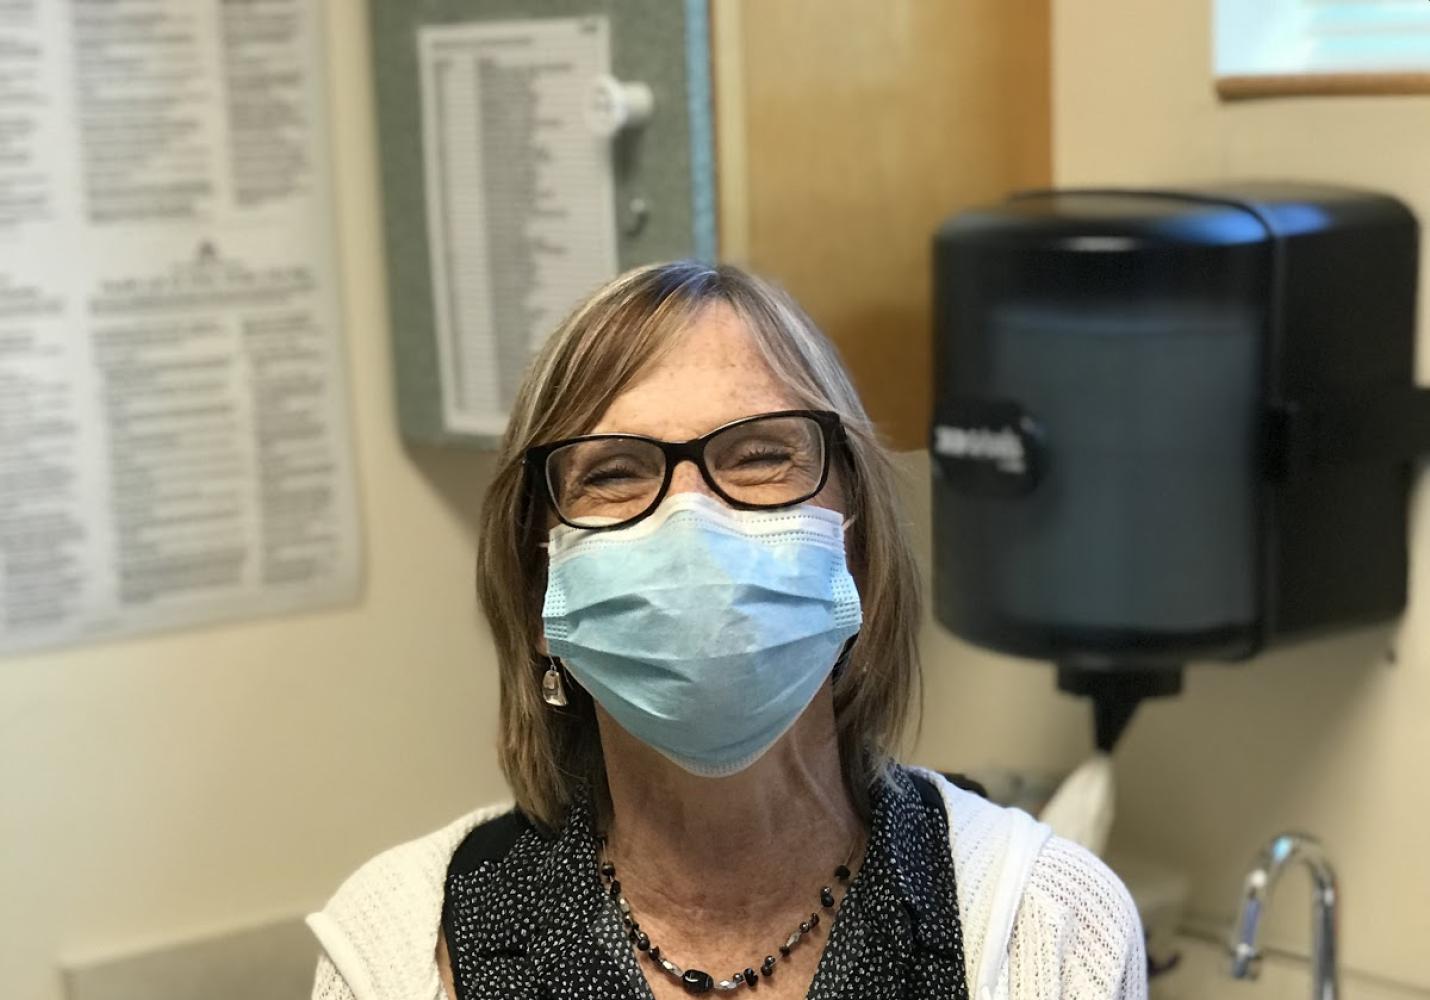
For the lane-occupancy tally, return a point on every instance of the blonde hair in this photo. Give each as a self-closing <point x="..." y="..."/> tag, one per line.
<point x="597" y="351"/>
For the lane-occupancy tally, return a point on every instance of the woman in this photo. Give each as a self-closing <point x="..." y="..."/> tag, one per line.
<point x="706" y="614"/>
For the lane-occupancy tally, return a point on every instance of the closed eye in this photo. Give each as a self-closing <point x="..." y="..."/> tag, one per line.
<point x="756" y="458"/>
<point x="610" y="474"/>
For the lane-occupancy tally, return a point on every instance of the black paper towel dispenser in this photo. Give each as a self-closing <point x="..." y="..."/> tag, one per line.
<point x="1171" y="426"/>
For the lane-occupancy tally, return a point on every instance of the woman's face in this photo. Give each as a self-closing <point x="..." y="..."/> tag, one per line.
<point x="711" y="376"/>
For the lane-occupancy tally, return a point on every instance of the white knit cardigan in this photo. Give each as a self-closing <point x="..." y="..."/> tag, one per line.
<point x="1043" y="919"/>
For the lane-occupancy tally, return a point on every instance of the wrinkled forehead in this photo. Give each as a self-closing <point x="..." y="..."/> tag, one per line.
<point x="712" y="372"/>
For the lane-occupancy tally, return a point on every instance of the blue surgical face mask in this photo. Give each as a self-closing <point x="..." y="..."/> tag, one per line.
<point x="704" y="631"/>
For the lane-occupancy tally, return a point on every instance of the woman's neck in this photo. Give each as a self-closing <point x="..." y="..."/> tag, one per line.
<point x="739" y="848"/>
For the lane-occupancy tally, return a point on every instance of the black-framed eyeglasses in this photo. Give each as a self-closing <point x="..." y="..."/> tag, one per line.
<point x="604" y="481"/>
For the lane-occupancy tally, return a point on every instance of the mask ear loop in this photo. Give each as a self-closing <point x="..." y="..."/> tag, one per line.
<point x="843" y="657"/>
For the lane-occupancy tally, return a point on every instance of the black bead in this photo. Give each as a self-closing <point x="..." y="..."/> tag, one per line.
<point x="784" y="949"/>
<point x="842" y="872"/>
<point x="655" y="952"/>
<point x="608" y="869"/>
<point x="642" y="941"/>
<point x="697" y="982"/>
<point x="826" y="896"/>
<point x="768" y="967"/>
<point x="750" y="978"/>
<point x="615" y="887"/>
<point x="804" y="926"/>
<point x="814" y="920"/>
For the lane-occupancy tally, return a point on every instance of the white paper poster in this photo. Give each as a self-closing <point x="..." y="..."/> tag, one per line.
<point x="174" y="444"/>
<point x="520" y="216"/>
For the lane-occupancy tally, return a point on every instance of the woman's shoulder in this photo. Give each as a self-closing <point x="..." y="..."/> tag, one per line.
<point x="1077" y="911"/>
<point x="380" y="928"/>
<point x="1059" y="913"/>
<point x="988" y="839"/>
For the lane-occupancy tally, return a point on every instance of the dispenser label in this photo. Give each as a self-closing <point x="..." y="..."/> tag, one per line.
<point x="987" y="446"/>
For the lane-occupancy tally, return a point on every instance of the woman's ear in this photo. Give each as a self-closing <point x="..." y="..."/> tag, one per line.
<point x="541" y="646"/>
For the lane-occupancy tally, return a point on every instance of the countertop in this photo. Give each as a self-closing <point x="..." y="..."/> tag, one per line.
<point x="1202" y="975"/>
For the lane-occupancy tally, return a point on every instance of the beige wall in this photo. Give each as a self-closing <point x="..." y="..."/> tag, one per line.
<point x="154" y="789"/>
<point x="1330" y="737"/>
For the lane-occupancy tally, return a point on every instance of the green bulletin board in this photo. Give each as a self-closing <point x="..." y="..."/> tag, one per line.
<point x="663" y="182"/>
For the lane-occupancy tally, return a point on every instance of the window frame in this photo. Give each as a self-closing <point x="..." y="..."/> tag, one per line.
<point x="1272" y="48"/>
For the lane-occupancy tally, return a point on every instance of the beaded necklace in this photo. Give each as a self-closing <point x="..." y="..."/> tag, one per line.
<point x="697" y="980"/>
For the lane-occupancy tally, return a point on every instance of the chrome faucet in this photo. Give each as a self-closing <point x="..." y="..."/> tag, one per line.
<point x="1265" y="872"/>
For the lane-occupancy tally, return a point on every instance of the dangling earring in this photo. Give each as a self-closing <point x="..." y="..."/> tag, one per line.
<point x="553" y="688"/>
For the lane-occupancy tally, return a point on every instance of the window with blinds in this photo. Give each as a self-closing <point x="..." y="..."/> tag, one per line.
<point x="1322" y="46"/>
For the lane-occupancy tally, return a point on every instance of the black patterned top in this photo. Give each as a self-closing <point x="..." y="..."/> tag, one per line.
<point x="526" y="915"/>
